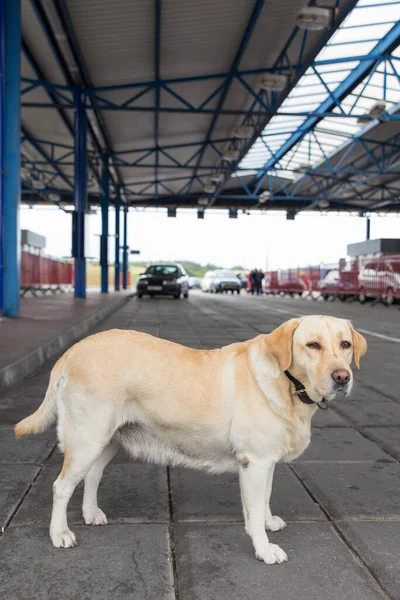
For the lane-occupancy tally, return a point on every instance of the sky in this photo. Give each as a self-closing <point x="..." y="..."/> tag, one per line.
<point x="266" y="241"/>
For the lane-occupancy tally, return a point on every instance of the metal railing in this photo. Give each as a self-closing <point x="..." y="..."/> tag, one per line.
<point x="42" y="273"/>
<point x="375" y="277"/>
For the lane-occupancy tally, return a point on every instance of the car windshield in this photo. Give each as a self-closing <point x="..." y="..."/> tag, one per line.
<point x="162" y="270"/>
<point x="225" y="274"/>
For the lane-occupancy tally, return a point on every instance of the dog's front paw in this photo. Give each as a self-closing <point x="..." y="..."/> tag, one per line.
<point x="95" y="517"/>
<point x="271" y="554"/>
<point x="63" y="539"/>
<point x="275" y="524"/>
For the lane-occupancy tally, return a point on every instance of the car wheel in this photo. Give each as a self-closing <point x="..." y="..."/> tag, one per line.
<point x="342" y="297"/>
<point x="140" y="294"/>
<point x="177" y="296"/>
<point x="151" y="295"/>
<point x="389" y="298"/>
<point x="362" y="298"/>
<point x="186" y="295"/>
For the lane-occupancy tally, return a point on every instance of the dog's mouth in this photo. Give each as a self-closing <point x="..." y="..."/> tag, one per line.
<point x="342" y="388"/>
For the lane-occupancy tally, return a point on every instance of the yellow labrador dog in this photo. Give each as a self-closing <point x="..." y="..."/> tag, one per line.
<point x="243" y="408"/>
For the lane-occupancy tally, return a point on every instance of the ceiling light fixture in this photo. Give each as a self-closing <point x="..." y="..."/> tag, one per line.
<point x="231" y="156"/>
<point x="217" y="177"/>
<point x="244" y="133"/>
<point x="274" y="83"/>
<point x="264" y="197"/>
<point x="313" y="18"/>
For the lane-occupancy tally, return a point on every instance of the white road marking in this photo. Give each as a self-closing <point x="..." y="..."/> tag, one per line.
<point x="379" y="335"/>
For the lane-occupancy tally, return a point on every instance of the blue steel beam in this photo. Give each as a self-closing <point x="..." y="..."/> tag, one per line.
<point x="80" y="195"/>
<point x="63" y="66"/>
<point x="39" y="74"/>
<point x="125" y="251"/>
<point x="2" y="124"/>
<point x="235" y="65"/>
<point x="11" y="156"/>
<point x="63" y="13"/>
<point x="157" y="59"/>
<point x="105" y="204"/>
<point x="45" y="156"/>
<point x="390" y="41"/>
<point x="117" y="205"/>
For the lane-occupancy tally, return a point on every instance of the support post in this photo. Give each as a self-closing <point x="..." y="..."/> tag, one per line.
<point x="10" y="160"/>
<point x="105" y="204"/>
<point x="80" y="195"/>
<point x="125" y="251"/>
<point x="368" y="228"/>
<point x="117" y="242"/>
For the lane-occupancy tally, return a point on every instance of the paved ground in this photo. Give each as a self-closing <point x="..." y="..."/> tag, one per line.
<point x="43" y="317"/>
<point x="179" y="533"/>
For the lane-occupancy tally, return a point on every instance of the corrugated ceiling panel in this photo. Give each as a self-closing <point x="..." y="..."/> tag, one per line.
<point x="116" y="38"/>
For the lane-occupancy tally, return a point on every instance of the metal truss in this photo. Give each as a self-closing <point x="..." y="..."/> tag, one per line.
<point x="327" y="180"/>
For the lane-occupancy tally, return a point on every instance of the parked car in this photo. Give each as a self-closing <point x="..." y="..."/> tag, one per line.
<point x="206" y="281"/>
<point x="379" y="278"/>
<point x="225" y="281"/>
<point x="335" y="284"/>
<point x="330" y="283"/>
<point x="194" y="283"/>
<point x="163" y="279"/>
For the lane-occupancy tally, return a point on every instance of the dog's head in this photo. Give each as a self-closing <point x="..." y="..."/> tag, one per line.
<point x="318" y="350"/>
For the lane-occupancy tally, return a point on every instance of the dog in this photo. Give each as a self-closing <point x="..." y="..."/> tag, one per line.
<point x="241" y="408"/>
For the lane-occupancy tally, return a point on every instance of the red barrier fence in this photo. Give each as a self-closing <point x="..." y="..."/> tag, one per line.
<point x="40" y="272"/>
<point x="362" y="277"/>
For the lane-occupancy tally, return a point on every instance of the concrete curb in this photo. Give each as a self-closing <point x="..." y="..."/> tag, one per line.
<point x="28" y="363"/>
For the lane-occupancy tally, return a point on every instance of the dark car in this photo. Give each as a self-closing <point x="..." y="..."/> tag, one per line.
<point x="225" y="281"/>
<point x="163" y="279"/>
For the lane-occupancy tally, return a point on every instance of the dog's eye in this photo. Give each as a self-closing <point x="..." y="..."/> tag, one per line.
<point x="314" y="345"/>
<point x="345" y="345"/>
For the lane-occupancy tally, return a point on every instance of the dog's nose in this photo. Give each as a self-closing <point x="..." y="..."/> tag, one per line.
<point x="341" y="376"/>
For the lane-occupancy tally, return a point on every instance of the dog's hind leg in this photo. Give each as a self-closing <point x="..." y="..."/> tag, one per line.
<point x="92" y="514"/>
<point x="83" y="442"/>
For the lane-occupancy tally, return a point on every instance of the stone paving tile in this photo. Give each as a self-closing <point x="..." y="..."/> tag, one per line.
<point x="13" y="451"/>
<point x="354" y="490"/>
<point x="329" y="418"/>
<point x="134" y="493"/>
<point x="387" y="437"/>
<point x="114" y="562"/>
<point x="198" y="496"/>
<point x="379" y="545"/>
<point x="370" y="408"/>
<point x="15" y="480"/>
<point x="13" y="410"/>
<point x="340" y="444"/>
<point x="127" y="493"/>
<point x="218" y="562"/>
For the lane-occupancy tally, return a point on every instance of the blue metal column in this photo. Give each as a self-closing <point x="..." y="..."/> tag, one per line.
<point x="80" y="195"/>
<point x="105" y="202"/>
<point x="10" y="168"/>
<point x="125" y="251"/>
<point x="117" y="242"/>
<point x="2" y="94"/>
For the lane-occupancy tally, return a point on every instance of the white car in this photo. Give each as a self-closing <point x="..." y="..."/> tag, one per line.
<point x="206" y="282"/>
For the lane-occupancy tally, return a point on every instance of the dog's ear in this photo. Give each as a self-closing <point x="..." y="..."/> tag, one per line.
<point x="279" y="343"/>
<point x="359" y="344"/>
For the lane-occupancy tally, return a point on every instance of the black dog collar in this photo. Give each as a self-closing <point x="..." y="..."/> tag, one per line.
<point x="302" y="394"/>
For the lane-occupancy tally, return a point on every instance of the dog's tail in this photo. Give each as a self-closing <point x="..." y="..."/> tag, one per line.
<point x="47" y="412"/>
